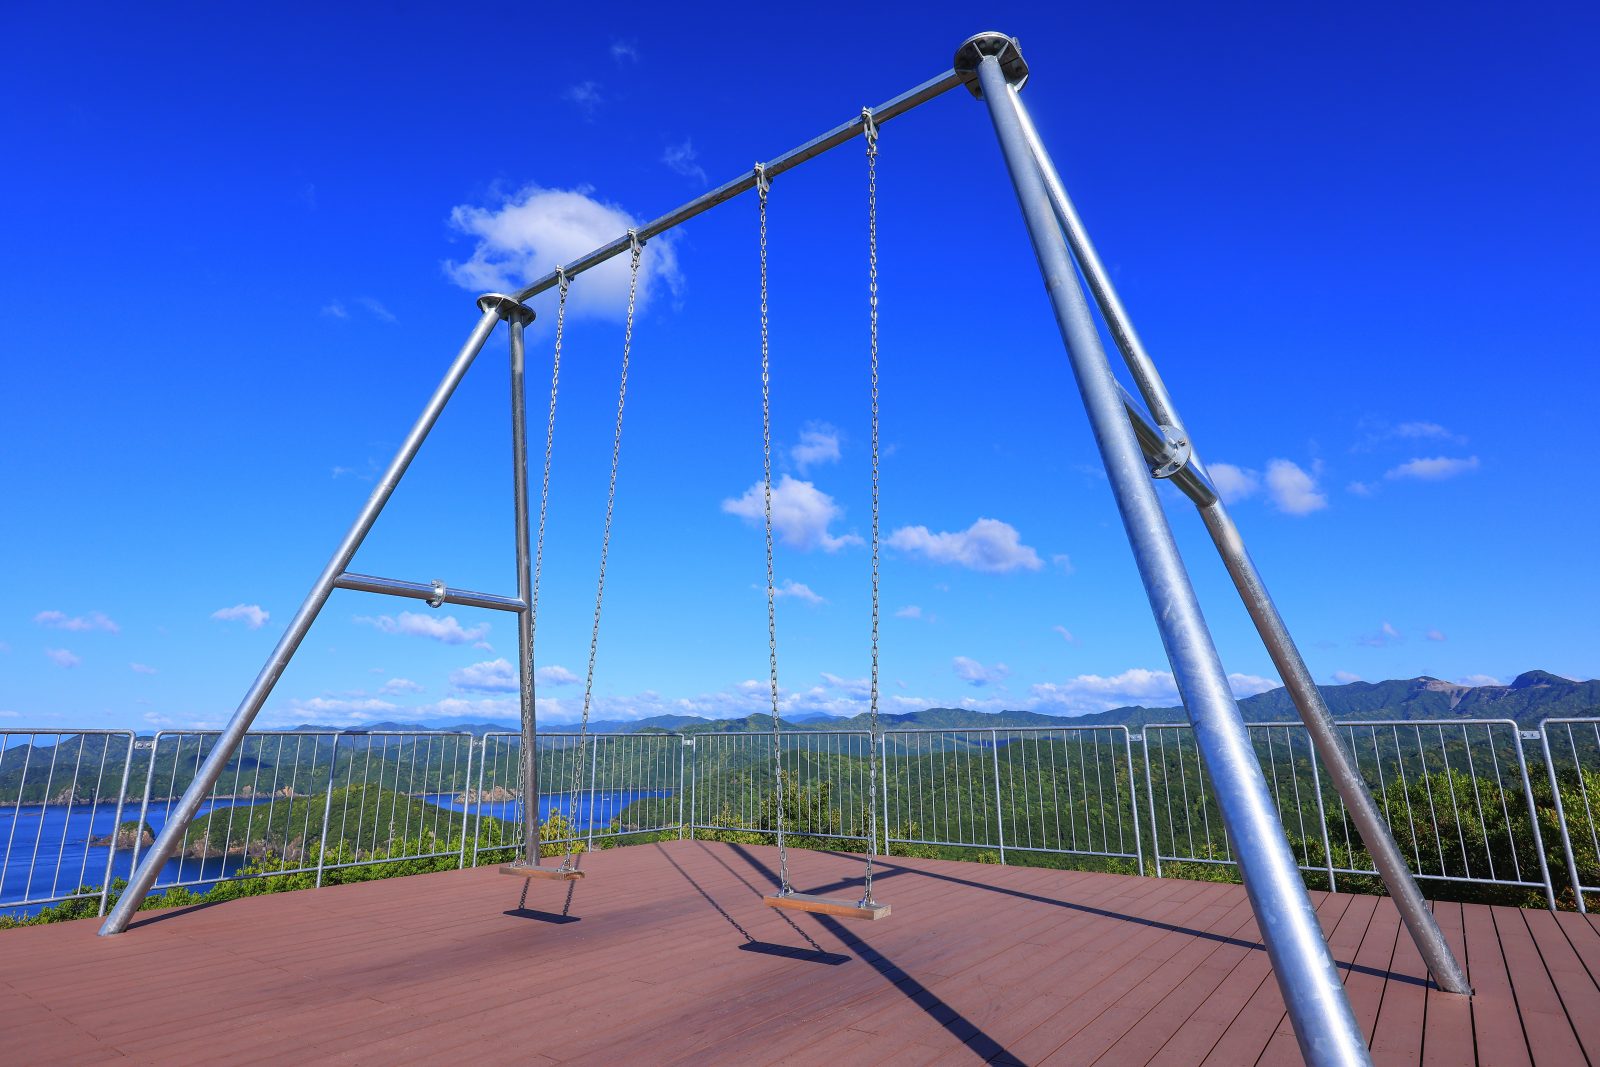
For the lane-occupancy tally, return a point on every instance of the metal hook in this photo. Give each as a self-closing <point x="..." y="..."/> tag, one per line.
<point x="763" y="183"/>
<point x="634" y="243"/>
<point x="869" y="126"/>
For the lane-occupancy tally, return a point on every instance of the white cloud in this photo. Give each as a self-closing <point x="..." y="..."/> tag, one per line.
<point x="1426" y="431"/>
<point x="1360" y="488"/>
<point x="140" y="668"/>
<point x="1432" y="470"/>
<point x="987" y="545"/>
<point x="585" y="96"/>
<point x="490" y="676"/>
<point x="1435" y="635"/>
<point x="1248" y="685"/>
<point x="819" y="443"/>
<point x="860" y="688"/>
<point x="1292" y="489"/>
<point x="1386" y="635"/>
<point x="798" y="591"/>
<point x="343" y="704"/>
<point x="376" y="309"/>
<point x="555" y="674"/>
<point x="6" y="714"/>
<point x="59" y="620"/>
<point x="1481" y="679"/>
<point x="680" y="159"/>
<point x="534" y="230"/>
<point x="1135" y="686"/>
<point x="1233" y="483"/>
<point x="976" y="674"/>
<point x="62" y="658"/>
<point x="444" y="629"/>
<point x="1066" y="634"/>
<point x="624" y="51"/>
<point x="801" y="514"/>
<point x="910" y="611"/>
<point x="335" y="310"/>
<point x="396" y="686"/>
<point x="252" y="615"/>
<point x="1345" y="677"/>
<point x="1063" y="563"/>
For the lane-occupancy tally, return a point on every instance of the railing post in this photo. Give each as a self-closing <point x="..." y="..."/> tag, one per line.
<point x="1322" y="816"/>
<point x="883" y="764"/>
<point x="327" y="809"/>
<point x="694" y="781"/>
<point x="144" y="806"/>
<point x="116" y="826"/>
<point x="1561" y="809"/>
<point x="1150" y="798"/>
<point x="999" y="817"/>
<point x="466" y="818"/>
<point x="1533" y="814"/>
<point x="683" y="743"/>
<point x="594" y="764"/>
<point x="1133" y="796"/>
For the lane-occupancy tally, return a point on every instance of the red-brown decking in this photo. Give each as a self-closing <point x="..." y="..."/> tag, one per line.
<point x="669" y="956"/>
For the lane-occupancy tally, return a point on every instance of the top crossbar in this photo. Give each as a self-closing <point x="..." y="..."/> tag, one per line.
<point x="793" y="158"/>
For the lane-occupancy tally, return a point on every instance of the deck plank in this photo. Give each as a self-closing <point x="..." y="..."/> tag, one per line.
<point x="1496" y="1026"/>
<point x="998" y="964"/>
<point x="1447" y="1024"/>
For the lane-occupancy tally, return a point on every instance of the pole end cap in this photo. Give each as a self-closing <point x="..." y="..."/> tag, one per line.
<point x="1003" y="48"/>
<point x="507" y="308"/>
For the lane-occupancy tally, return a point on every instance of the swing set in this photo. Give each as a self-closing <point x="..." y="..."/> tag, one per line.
<point x="1141" y="439"/>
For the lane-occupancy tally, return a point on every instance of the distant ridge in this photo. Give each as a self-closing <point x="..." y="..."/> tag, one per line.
<point x="1530" y="697"/>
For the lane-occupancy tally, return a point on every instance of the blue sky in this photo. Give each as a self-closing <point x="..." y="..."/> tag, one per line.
<point x="1360" y="243"/>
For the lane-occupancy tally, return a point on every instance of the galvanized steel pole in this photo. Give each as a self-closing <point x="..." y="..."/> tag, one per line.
<point x="1369" y="822"/>
<point x="178" y="821"/>
<point x="517" y="316"/>
<point x="1323" y="1022"/>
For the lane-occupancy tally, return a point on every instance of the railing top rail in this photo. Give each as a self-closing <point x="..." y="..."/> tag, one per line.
<point x="1342" y="723"/>
<point x="1567" y="720"/>
<point x="15" y="731"/>
<point x="1066" y="727"/>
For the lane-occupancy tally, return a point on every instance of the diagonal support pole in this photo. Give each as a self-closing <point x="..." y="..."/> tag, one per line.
<point x="1323" y="1022"/>
<point x="1370" y="823"/>
<point x="178" y="822"/>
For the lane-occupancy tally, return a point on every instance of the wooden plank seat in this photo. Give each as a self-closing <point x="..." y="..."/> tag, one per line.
<point x="561" y="874"/>
<point x="848" y="909"/>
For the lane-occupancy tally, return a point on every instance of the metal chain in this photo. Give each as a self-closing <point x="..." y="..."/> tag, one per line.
<point x="763" y="187"/>
<point x="870" y="130"/>
<point x="605" y="547"/>
<point x="544" y="509"/>
<point x="549" y="447"/>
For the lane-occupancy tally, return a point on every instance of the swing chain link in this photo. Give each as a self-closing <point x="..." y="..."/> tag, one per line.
<point x="870" y="132"/>
<point x="605" y="551"/>
<point x="763" y="187"/>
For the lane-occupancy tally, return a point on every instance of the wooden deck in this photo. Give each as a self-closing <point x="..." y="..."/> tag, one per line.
<point x="668" y="956"/>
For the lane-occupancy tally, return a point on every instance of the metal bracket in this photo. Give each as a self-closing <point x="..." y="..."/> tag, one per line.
<point x="1174" y="455"/>
<point x="1005" y="49"/>
<point x="508" y="308"/>
<point x="438" y="596"/>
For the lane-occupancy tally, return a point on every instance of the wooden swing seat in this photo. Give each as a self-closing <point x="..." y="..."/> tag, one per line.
<point x="847" y="909"/>
<point x="517" y="870"/>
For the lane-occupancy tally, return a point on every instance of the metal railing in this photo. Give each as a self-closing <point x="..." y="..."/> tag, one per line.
<point x="626" y="784"/>
<point x="1063" y="790"/>
<point x="1572" y="760"/>
<point x="77" y="808"/>
<point x="59" y="793"/>
<point x="1456" y="794"/>
<point x="827" y="783"/>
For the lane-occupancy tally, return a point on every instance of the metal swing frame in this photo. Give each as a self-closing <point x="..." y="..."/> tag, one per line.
<point x="1138" y="442"/>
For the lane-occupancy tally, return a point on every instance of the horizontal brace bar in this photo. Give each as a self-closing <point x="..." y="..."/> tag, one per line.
<point x="792" y="158"/>
<point x="1153" y="443"/>
<point x="366" y="583"/>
